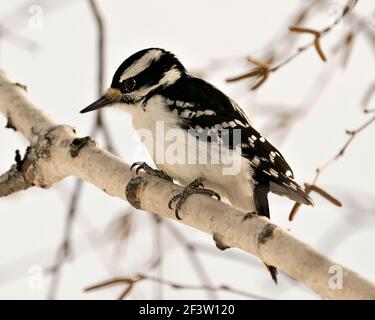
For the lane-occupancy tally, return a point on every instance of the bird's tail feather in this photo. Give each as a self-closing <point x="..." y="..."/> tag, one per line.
<point x="291" y="190"/>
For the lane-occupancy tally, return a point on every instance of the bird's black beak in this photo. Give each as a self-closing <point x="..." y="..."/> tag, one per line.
<point x="98" y="104"/>
<point x="110" y="97"/>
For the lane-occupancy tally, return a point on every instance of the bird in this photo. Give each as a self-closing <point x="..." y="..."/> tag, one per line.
<point x="238" y="162"/>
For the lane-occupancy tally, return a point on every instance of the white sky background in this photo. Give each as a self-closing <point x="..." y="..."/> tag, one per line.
<point x="61" y="78"/>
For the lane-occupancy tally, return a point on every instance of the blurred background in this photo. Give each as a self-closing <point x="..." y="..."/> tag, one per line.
<point x="55" y="243"/>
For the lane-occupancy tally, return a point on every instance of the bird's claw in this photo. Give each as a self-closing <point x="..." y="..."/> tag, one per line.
<point x="196" y="187"/>
<point x="146" y="168"/>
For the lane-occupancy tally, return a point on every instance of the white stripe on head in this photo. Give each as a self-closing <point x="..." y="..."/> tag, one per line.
<point x="141" y="64"/>
<point x="169" y="77"/>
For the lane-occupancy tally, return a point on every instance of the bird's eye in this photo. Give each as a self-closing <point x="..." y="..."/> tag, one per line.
<point x="128" y="84"/>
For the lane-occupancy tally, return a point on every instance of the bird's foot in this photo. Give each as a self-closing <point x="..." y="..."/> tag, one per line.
<point x="196" y="187"/>
<point x="146" y="168"/>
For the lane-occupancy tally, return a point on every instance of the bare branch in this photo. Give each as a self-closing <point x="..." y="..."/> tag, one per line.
<point x="324" y="194"/>
<point x="263" y="73"/>
<point x="312" y="186"/>
<point x="367" y="98"/>
<point x="196" y="263"/>
<point x="130" y="282"/>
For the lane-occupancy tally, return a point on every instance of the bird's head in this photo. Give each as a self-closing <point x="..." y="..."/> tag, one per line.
<point x="138" y="76"/>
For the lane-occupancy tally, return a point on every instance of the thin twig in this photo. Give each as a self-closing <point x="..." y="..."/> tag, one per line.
<point x="15" y="38"/>
<point x="101" y="42"/>
<point x="64" y="250"/>
<point x="367" y="98"/>
<point x="324" y="194"/>
<point x="197" y="264"/>
<point x="352" y="135"/>
<point x="159" y="250"/>
<point x="263" y="69"/>
<point x="129" y="283"/>
<point x="317" y="36"/>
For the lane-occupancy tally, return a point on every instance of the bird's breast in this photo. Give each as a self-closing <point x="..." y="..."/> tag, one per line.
<point x="185" y="158"/>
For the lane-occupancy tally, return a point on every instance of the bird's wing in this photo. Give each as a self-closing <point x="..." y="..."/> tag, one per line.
<point x="205" y="108"/>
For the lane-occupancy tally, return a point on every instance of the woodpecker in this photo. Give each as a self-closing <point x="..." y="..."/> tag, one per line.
<point x="239" y="163"/>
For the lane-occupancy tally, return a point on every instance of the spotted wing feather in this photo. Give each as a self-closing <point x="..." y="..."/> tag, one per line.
<point x="203" y="107"/>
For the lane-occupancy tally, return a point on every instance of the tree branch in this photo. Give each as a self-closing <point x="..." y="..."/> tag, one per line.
<point x="131" y="281"/>
<point x="60" y="153"/>
<point x="262" y="73"/>
<point x="18" y="177"/>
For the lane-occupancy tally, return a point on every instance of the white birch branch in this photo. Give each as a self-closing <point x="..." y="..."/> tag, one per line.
<point x="56" y="152"/>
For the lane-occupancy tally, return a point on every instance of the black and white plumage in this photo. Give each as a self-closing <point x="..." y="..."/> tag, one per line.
<point x="203" y="107"/>
<point x="155" y="87"/>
